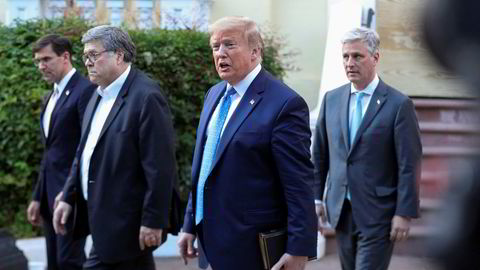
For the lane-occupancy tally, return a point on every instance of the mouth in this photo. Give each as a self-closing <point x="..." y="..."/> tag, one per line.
<point x="223" y="66"/>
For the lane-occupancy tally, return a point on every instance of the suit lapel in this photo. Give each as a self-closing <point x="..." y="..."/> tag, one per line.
<point x="42" y="114"/>
<point x="376" y="103"/>
<point x="61" y="101"/>
<point x="91" y="106"/>
<point x="344" y="111"/>
<point x="117" y="106"/>
<point x="249" y="101"/>
<point x="208" y="108"/>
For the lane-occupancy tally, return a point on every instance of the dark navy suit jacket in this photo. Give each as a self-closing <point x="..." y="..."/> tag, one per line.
<point x="63" y="138"/>
<point x="261" y="176"/>
<point x="132" y="171"/>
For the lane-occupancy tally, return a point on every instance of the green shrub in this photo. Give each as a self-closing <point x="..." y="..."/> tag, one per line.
<point x="180" y="60"/>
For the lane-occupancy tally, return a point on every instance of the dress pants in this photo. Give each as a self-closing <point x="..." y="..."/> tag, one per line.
<point x="358" y="251"/>
<point x="144" y="262"/>
<point x="63" y="252"/>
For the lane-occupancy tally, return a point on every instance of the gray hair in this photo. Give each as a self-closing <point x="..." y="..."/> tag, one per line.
<point x="245" y="24"/>
<point x="113" y="39"/>
<point x="366" y="35"/>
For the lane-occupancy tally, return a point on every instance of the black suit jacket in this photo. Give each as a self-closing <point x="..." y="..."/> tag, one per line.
<point x="132" y="170"/>
<point x="63" y="138"/>
<point x="261" y="176"/>
<point x="381" y="167"/>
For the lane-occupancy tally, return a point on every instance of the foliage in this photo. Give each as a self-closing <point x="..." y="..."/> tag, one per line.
<point x="180" y="60"/>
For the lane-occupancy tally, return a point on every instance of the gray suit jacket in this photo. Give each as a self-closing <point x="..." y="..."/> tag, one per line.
<point x="381" y="167"/>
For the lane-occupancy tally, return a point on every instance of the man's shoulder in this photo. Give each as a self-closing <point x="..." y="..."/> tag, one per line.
<point x="339" y="91"/>
<point x="280" y="88"/>
<point x="393" y="92"/>
<point x="82" y="85"/>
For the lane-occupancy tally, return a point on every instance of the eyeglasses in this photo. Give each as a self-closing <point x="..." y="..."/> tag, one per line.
<point x="45" y="60"/>
<point x="92" y="56"/>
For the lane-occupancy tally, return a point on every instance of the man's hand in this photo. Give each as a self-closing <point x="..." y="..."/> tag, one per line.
<point x="185" y="246"/>
<point x="33" y="213"/>
<point x="149" y="237"/>
<point x="60" y="217"/>
<point x="290" y="262"/>
<point x="322" y="218"/>
<point x="58" y="198"/>
<point x="400" y="228"/>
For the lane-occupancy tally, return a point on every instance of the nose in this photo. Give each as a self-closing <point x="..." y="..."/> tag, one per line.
<point x="88" y="63"/>
<point x="221" y="50"/>
<point x="42" y="65"/>
<point x="349" y="62"/>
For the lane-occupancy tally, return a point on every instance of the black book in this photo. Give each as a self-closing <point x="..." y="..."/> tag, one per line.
<point x="272" y="246"/>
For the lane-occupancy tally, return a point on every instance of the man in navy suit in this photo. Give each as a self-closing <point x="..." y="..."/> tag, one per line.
<point x="60" y="125"/>
<point x="121" y="181"/>
<point x="367" y="151"/>
<point x="251" y="168"/>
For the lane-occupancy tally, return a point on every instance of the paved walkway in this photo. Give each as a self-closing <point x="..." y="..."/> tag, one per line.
<point x="329" y="262"/>
<point x="166" y="258"/>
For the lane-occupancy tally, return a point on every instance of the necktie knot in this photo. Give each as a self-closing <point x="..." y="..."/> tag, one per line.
<point x="230" y="92"/>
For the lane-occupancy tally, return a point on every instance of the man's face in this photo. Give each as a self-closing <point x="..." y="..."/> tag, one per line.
<point x="232" y="56"/>
<point x="101" y="64"/>
<point x="359" y="64"/>
<point x="51" y="65"/>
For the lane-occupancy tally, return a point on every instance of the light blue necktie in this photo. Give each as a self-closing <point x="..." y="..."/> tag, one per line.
<point x="213" y="137"/>
<point x="356" y="121"/>
<point x="357" y="116"/>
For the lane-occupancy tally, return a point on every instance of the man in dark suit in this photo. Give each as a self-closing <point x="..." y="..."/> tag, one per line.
<point x="251" y="168"/>
<point x="367" y="151"/>
<point x="124" y="169"/>
<point x="60" y="125"/>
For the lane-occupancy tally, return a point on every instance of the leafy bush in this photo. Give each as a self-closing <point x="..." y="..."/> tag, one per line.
<point x="180" y="60"/>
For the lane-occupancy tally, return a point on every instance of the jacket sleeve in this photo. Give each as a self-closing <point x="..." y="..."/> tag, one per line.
<point x="320" y="152"/>
<point x="408" y="150"/>
<point x="157" y="154"/>
<point x="291" y="152"/>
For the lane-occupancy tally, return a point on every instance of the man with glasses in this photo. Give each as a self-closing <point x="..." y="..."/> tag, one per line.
<point x="60" y="123"/>
<point x="125" y="167"/>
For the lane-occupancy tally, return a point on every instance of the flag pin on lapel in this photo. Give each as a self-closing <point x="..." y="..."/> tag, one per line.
<point x="252" y="101"/>
<point x="67" y="92"/>
<point x="378" y="101"/>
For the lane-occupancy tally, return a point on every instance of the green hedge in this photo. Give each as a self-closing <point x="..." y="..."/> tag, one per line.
<point x="180" y="60"/>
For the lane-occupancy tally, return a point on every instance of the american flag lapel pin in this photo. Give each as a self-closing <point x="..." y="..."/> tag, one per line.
<point x="252" y="102"/>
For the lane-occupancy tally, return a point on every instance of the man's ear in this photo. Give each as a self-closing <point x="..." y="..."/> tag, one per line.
<point x="119" y="56"/>
<point x="255" y="53"/>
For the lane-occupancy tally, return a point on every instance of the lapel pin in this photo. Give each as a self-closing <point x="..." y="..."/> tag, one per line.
<point x="378" y="101"/>
<point x="67" y="92"/>
<point x="252" y="101"/>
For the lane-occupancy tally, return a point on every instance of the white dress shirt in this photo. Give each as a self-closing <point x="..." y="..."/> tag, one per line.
<point x="368" y="91"/>
<point x="241" y="87"/>
<point x="52" y="101"/>
<point x="109" y="95"/>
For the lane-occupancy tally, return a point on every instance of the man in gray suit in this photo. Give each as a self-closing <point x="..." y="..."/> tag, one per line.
<point x="367" y="151"/>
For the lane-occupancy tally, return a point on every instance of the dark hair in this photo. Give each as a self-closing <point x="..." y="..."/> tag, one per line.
<point x="59" y="44"/>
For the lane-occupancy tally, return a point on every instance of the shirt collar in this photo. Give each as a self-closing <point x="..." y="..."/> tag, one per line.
<point x="114" y="88"/>
<point x="63" y="83"/>
<point x="242" y="86"/>
<point x="370" y="87"/>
